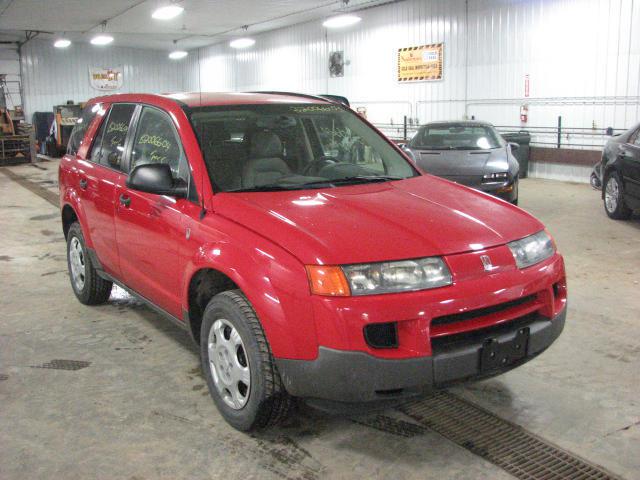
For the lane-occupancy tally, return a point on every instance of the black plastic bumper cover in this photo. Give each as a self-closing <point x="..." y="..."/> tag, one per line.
<point x="354" y="377"/>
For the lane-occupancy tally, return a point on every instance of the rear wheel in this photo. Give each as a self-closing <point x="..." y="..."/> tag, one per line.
<point x="614" y="198"/>
<point x="88" y="286"/>
<point x="237" y="362"/>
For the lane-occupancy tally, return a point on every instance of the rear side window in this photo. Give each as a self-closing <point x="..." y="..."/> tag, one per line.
<point x="108" y="149"/>
<point x="635" y="138"/>
<point x="81" y="127"/>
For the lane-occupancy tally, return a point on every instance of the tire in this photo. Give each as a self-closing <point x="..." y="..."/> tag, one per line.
<point x="613" y="197"/>
<point x="241" y="374"/>
<point x="88" y="286"/>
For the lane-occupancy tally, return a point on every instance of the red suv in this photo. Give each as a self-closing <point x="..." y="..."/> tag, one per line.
<point x="305" y="253"/>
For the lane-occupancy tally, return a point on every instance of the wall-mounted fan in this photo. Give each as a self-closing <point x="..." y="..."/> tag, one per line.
<point x="336" y="64"/>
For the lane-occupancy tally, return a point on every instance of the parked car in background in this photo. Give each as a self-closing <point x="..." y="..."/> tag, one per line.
<point x="307" y="256"/>
<point x="621" y="174"/>
<point x="471" y="153"/>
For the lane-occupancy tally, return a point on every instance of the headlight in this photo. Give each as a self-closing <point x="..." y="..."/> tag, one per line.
<point x="402" y="276"/>
<point x="496" y="177"/>
<point x="532" y="249"/>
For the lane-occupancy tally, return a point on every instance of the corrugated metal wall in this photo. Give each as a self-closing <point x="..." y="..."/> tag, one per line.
<point x="51" y="76"/>
<point x="10" y="67"/>
<point x="582" y="57"/>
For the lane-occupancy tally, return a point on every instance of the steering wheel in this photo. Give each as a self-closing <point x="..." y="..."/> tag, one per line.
<point x="313" y="167"/>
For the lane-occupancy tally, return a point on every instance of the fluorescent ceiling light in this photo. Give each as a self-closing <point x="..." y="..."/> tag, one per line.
<point x="341" y="21"/>
<point x="62" y="43"/>
<point x="102" y="40"/>
<point x="177" y="54"/>
<point x="168" y="12"/>
<point x="242" y="42"/>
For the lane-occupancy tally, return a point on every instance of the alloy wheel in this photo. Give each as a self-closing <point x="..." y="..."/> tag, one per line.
<point x="611" y="194"/>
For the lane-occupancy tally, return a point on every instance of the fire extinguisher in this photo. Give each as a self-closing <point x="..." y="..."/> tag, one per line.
<point x="524" y="113"/>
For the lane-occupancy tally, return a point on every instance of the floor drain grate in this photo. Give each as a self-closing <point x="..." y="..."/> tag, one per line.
<point x="391" y="425"/>
<point x="509" y="446"/>
<point x="64" y="365"/>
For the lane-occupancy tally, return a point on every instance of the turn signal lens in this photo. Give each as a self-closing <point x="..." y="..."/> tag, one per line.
<point x="326" y="280"/>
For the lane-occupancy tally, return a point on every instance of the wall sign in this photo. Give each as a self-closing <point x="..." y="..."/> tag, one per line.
<point x="419" y="64"/>
<point x="106" y="79"/>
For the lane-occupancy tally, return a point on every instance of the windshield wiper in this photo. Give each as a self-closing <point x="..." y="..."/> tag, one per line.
<point x="364" y="179"/>
<point x="329" y="182"/>
<point x="271" y="187"/>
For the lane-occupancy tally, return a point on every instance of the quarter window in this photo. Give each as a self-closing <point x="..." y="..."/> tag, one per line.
<point x="108" y="149"/>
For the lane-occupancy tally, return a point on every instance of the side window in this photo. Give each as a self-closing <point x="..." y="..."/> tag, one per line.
<point x="636" y="140"/>
<point x="108" y="148"/>
<point x="157" y="141"/>
<point x="80" y="128"/>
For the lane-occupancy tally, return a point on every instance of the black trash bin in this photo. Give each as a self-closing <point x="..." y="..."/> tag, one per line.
<point x="523" y="139"/>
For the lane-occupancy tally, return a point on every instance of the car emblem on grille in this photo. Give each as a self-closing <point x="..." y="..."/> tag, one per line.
<point x="486" y="263"/>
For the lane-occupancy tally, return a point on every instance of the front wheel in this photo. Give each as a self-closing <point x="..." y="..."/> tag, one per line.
<point x="89" y="287"/>
<point x="614" y="198"/>
<point x="240" y="371"/>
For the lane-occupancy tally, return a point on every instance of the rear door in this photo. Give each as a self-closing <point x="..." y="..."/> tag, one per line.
<point x="150" y="227"/>
<point x="98" y="176"/>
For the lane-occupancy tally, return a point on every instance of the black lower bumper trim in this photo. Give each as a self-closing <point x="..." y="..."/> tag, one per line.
<point x="354" y="377"/>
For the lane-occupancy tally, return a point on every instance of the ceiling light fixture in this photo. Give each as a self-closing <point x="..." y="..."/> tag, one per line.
<point x="62" y="43"/>
<point x="242" y="43"/>
<point x="341" y="21"/>
<point x="102" y="40"/>
<point x="178" y="54"/>
<point x="168" y="12"/>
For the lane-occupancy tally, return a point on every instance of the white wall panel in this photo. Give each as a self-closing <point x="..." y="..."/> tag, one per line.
<point x="51" y="76"/>
<point x="582" y="56"/>
<point x="10" y="67"/>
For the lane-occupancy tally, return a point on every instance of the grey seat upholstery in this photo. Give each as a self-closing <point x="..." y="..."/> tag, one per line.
<point x="265" y="164"/>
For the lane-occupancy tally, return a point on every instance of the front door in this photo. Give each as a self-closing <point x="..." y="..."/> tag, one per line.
<point x="150" y="227"/>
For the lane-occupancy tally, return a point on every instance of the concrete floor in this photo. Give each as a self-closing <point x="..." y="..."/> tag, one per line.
<point x="141" y="408"/>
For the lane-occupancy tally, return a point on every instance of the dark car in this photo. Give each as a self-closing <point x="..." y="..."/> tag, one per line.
<point x="621" y="174"/>
<point x="471" y="153"/>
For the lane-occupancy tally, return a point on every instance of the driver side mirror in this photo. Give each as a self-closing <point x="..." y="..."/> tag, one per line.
<point x="156" y="178"/>
<point x="514" y="146"/>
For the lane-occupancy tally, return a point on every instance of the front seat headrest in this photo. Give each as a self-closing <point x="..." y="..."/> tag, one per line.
<point x="265" y="144"/>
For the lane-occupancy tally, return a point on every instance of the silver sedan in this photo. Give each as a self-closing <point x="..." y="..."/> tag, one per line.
<point x="471" y="153"/>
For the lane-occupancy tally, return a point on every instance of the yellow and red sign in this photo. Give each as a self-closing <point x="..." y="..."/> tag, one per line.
<point x="423" y="63"/>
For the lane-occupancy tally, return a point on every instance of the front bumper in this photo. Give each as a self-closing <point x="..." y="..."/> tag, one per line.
<point x="507" y="191"/>
<point x="350" y="377"/>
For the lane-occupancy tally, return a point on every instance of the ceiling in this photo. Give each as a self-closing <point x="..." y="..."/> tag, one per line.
<point x="203" y="22"/>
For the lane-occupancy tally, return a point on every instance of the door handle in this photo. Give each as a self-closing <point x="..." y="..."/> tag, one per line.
<point x="83" y="183"/>
<point x="125" y="201"/>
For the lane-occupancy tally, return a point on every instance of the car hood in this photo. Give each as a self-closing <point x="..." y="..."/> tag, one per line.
<point x="451" y="163"/>
<point x="417" y="217"/>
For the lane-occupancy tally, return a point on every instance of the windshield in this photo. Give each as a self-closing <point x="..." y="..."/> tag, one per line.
<point x="456" y="137"/>
<point x="292" y="146"/>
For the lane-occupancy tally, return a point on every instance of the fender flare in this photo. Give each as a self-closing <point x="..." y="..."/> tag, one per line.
<point x="73" y="200"/>
<point x="271" y="292"/>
